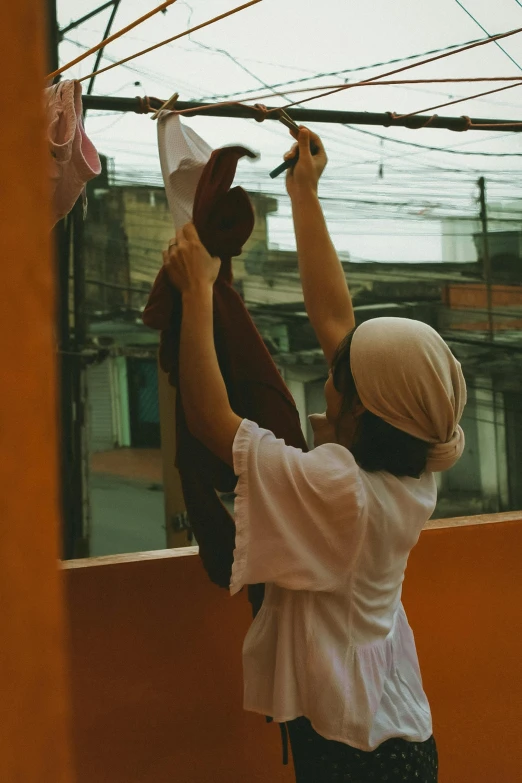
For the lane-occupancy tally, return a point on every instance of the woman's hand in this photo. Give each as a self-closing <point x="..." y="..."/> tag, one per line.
<point x="188" y="264"/>
<point x="304" y="176"/>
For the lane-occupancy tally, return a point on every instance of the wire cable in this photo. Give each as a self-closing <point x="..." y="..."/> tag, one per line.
<point x="112" y="37"/>
<point x="461" y="100"/>
<point x="345" y="71"/>
<point x="488" y="34"/>
<point x="445" y="150"/>
<point x="171" y="39"/>
<point x="482" y="42"/>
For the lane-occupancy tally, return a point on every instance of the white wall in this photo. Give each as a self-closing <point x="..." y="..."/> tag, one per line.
<point x="306" y="386"/>
<point x="108" y="404"/>
<point x="457" y="240"/>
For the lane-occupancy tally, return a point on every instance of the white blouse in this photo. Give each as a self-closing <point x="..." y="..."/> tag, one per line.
<point x="331" y="541"/>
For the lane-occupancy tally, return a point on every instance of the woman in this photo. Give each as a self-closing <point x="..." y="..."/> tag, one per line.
<point x="331" y="653"/>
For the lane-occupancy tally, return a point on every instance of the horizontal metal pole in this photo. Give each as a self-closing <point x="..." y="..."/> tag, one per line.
<point x="235" y="111"/>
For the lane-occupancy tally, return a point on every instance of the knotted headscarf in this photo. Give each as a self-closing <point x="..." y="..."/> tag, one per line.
<point x="406" y="374"/>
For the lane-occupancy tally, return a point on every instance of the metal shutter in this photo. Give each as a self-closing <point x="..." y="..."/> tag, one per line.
<point x="102" y="436"/>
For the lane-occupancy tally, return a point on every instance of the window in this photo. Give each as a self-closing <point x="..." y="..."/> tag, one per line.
<point x="410" y="247"/>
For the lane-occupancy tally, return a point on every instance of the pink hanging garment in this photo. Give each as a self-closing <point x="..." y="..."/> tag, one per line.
<point x="74" y="159"/>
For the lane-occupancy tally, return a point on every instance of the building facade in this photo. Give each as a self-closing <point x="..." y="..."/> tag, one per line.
<point x="129" y="226"/>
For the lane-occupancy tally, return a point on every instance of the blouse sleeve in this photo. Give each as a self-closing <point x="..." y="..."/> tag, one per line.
<point x="299" y="516"/>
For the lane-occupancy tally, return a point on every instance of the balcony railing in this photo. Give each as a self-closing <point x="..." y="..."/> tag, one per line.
<point x="155" y="653"/>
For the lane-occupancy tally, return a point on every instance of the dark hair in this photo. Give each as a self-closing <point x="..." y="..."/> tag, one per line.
<point x="377" y="445"/>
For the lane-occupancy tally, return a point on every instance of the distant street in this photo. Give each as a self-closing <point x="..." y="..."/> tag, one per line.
<point x="127" y="515"/>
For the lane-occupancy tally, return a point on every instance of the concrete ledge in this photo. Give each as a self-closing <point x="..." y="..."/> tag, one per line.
<point x="187" y="551"/>
<point x="478" y="519"/>
<point x="132" y="557"/>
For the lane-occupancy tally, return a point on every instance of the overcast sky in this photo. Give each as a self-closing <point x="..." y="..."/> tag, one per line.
<point x="279" y="40"/>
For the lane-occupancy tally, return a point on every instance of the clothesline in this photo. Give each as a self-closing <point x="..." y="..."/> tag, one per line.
<point x="111" y="38"/>
<point x="460" y="100"/>
<point x="170" y="40"/>
<point x="286" y="85"/>
<point x="390" y="82"/>
<point x="147" y="104"/>
<point x="374" y="80"/>
<point x="329" y="90"/>
<point x="403" y="68"/>
<point x="429" y="121"/>
<point x="378" y="80"/>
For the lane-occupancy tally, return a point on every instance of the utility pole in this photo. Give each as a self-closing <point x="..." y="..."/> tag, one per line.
<point x="70" y="340"/>
<point x="486" y="260"/>
<point x="53" y="38"/>
<point x="82" y="19"/>
<point x="80" y="522"/>
<point x="62" y="242"/>
<point x="115" y="5"/>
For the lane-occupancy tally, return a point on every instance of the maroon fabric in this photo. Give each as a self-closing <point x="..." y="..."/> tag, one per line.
<point x="224" y="220"/>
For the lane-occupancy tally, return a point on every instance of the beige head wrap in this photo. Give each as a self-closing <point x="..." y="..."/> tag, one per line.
<point x="405" y="373"/>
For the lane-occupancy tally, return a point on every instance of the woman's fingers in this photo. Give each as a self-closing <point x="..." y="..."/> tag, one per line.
<point x="291" y="153"/>
<point x="190" y="233"/>
<point x="315" y="142"/>
<point x="304" y="143"/>
<point x="313" y="136"/>
<point x="179" y="235"/>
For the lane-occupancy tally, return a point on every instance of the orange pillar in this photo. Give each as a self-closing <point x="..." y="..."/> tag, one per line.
<point x="34" y="743"/>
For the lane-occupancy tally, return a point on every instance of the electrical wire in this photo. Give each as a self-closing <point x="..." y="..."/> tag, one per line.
<point x="446" y="150"/>
<point x="105" y="41"/>
<point x="482" y="42"/>
<point x="373" y="207"/>
<point x="343" y="72"/>
<point x="461" y="100"/>
<point x="168" y="40"/>
<point x="488" y="34"/>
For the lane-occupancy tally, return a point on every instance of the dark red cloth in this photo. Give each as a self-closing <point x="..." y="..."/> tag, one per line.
<point x="224" y="219"/>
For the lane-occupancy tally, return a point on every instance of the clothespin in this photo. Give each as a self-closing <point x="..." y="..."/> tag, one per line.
<point x="289" y="122"/>
<point x="294" y="129"/>
<point x="167" y="105"/>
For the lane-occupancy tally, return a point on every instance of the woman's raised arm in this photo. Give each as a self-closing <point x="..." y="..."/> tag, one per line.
<point x="326" y="295"/>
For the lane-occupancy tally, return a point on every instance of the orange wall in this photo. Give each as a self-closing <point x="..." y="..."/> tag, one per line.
<point x="156" y="658"/>
<point x="475" y="296"/>
<point x="463" y="595"/>
<point x="470" y="302"/>
<point x="33" y="693"/>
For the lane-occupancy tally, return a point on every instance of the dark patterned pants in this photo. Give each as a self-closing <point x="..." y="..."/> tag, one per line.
<point x="318" y="760"/>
